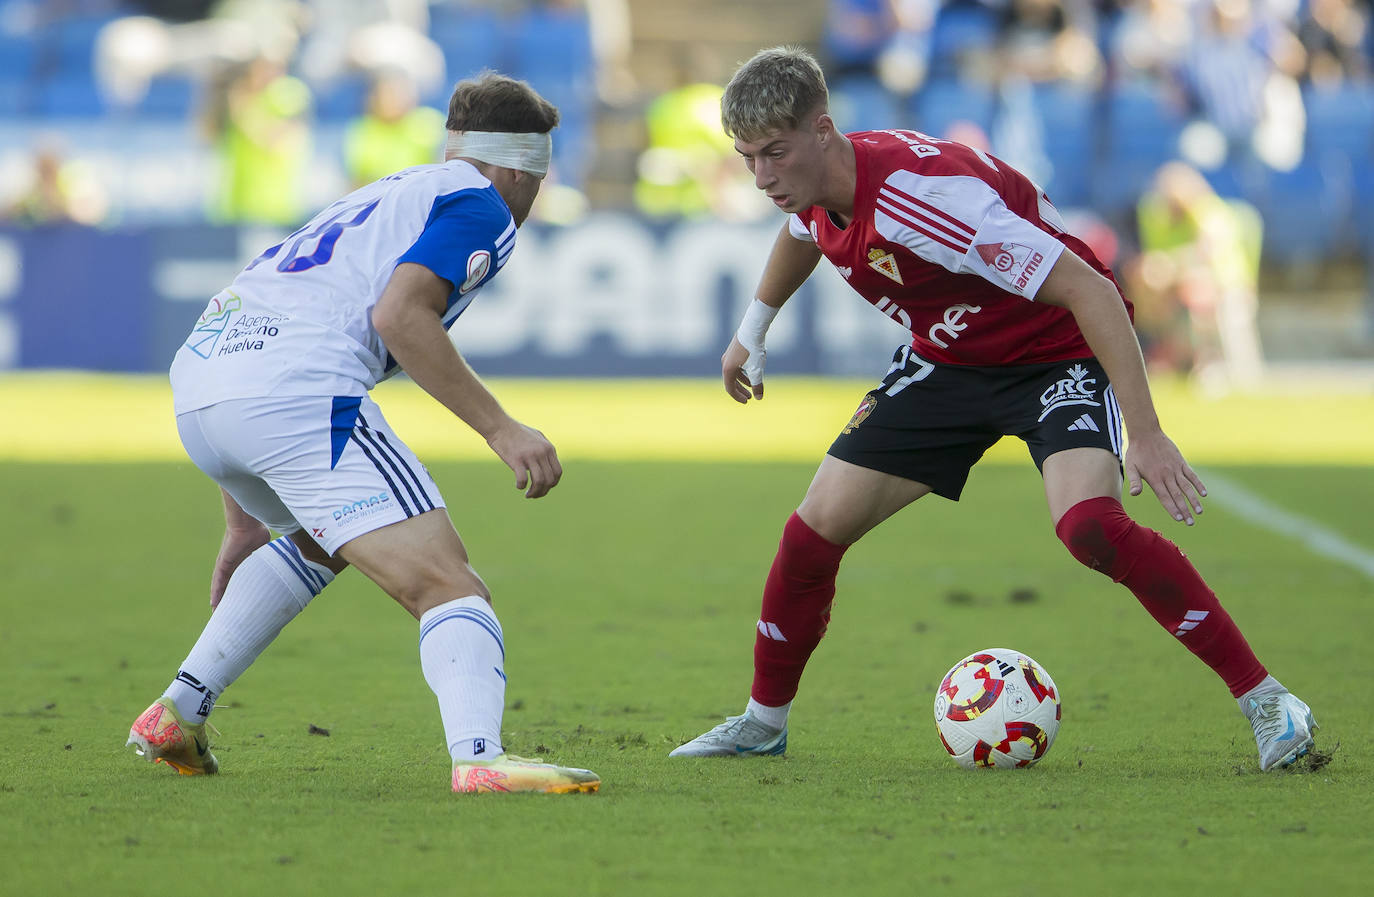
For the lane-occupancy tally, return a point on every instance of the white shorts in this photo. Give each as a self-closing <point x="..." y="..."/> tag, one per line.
<point x="331" y="466"/>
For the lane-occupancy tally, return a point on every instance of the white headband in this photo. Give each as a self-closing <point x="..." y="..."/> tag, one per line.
<point x="526" y="152"/>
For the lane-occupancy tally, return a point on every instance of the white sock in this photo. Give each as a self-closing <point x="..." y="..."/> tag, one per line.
<point x="1268" y="686"/>
<point x="463" y="656"/>
<point x="769" y="716"/>
<point x="267" y="591"/>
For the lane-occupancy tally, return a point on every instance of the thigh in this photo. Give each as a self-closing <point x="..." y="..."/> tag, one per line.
<point x="419" y="561"/>
<point x="845" y="500"/>
<point x="1079" y="474"/>
<point x="925" y="423"/>
<point x="334" y="463"/>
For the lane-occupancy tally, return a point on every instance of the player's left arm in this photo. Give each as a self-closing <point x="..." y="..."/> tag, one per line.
<point x="243" y="535"/>
<point x="1102" y="318"/>
<point x="409" y="319"/>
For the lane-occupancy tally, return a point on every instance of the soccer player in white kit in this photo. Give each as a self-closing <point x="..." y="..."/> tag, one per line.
<point x="271" y="397"/>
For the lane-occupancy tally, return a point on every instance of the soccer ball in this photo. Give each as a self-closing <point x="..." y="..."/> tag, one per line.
<point x="997" y="708"/>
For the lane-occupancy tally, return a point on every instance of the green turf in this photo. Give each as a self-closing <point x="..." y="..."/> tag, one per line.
<point x="628" y="598"/>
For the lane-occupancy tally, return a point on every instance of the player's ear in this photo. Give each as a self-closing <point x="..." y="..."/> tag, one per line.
<point x="825" y="127"/>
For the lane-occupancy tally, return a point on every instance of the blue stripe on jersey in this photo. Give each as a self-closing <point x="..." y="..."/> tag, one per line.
<point x="460" y="224"/>
<point x="288" y="552"/>
<point x="472" y="615"/>
<point x="367" y="452"/>
<point x="341" y="418"/>
<point x="396" y="461"/>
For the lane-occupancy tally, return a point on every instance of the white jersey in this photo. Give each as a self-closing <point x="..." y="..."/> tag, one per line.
<point x="298" y="320"/>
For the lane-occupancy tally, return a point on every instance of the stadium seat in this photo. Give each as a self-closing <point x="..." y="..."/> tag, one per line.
<point x="861" y="103"/>
<point x="552" y="49"/>
<point x="959" y="27"/>
<point x="471" y="39"/>
<point x="1341" y="119"/>
<point x="169" y="97"/>
<point x="341" y="100"/>
<point x="68" y="96"/>
<point x="16" y="58"/>
<point x="941" y="103"/>
<point x="1307" y="211"/>
<point x="1070" y="140"/>
<point x="1142" y="131"/>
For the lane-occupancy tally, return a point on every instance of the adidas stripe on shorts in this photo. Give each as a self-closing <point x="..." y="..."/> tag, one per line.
<point x="932" y="422"/>
<point x="330" y="466"/>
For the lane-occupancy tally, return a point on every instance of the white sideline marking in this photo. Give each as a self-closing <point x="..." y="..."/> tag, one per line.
<point x="1261" y="513"/>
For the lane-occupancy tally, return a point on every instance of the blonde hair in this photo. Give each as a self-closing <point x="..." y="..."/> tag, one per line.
<point x="774" y="91"/>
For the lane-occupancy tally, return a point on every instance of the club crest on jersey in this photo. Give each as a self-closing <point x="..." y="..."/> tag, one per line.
<point x="478" y="265"/>
<point x="1075" y="389"/>
<point x="1015" y="262"/>
<point x="885" y="263"/>
<point x="861" y="413"/>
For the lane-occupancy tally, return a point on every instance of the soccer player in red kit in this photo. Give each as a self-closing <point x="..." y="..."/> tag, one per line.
<point x="1017" y="329"/>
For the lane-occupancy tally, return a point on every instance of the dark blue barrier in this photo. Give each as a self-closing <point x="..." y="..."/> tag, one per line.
<point x="613" y="296"/>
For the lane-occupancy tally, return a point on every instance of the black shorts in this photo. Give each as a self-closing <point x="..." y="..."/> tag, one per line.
<point x="932" y="422"/>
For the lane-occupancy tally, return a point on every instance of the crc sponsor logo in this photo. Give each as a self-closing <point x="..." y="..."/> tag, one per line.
<point x="1016" y="263"/>
<point x="362" y="507"/>
<point x="951" y="324"/>
<point x="1075" y="389"/>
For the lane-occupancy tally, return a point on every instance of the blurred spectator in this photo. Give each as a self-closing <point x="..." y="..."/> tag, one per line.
<point x="58" y="192"/>
<point x="886" y="39"/>
<point x="1335" y="34"/>
<point x="1195" y="282"/>
<point x="689" y="167"/>
<point x="877" y="55"/>
<point x="257" y="121"/>
<point x="1047" y="40"/>
<point x="1239" y="74"/>
<point x="370" y="36"/>
<point x="393" y="133"/>
<point x="1150" y="39"/>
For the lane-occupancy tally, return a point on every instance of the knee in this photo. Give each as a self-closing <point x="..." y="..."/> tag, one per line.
<point x="430" y="588"/>
<point x="807" y="552"/>
<point x="1095" y="531"/>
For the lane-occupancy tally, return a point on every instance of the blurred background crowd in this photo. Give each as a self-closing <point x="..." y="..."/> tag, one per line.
<point x="1216" y="152"/>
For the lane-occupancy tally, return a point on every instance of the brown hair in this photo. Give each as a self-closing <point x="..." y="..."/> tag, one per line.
<point x="492" y="102"/>
<point x="774" y="91"/>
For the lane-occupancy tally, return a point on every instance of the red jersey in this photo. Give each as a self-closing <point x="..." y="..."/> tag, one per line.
<point x="953" y="244"/>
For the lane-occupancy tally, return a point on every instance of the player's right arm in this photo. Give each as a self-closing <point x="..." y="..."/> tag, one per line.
<point x="789" y="264"/>
<point x="409" y="319"/>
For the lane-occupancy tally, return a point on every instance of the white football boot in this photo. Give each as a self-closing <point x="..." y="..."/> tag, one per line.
<point x="1283" y="728"/>
<point x="738" y="735"/>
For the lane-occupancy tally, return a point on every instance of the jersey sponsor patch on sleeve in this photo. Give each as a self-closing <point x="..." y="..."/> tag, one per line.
<point x="1012" y="253"/>
<point x="479" y="263"/>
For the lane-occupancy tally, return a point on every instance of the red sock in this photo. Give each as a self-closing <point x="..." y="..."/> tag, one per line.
<point x="1102" y="537"/>
<point x="796" y="610"/>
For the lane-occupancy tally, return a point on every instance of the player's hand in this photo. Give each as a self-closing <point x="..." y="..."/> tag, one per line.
<point x="530" y="455"/>
<point x="742" y="371"/>
<point x="238" y="543"/>
<point x="1155" y="459"/>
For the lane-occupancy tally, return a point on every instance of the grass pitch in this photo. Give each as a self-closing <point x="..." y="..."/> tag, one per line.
<point x="628" y="598"/>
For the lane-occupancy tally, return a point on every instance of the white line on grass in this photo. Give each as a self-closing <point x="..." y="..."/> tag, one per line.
<point x="1232" y="496"/>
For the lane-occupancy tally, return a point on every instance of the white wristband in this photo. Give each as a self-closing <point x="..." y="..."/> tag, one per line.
<point x="750" y="335"/>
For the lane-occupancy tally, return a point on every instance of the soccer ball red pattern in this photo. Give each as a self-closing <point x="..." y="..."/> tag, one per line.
<point x="997" y="708"/>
